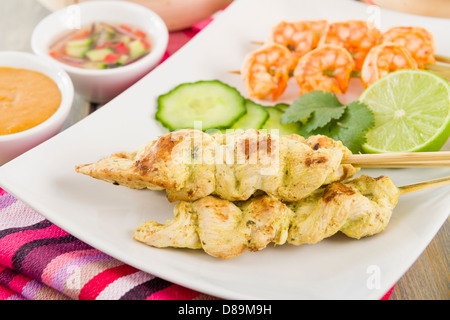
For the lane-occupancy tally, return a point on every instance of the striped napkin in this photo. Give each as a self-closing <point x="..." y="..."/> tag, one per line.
<point x="40" y="261"/>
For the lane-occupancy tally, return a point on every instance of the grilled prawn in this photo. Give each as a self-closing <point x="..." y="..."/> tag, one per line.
<point x="266" y="71"/>
<point x="299" y="37"/>
<point x="383" y="59"/>
<point x="326" y="68"/>
<point x="356" y="36"/>
<point x="419" y="41"/>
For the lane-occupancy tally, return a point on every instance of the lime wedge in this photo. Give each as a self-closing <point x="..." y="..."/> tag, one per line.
<point x="411" y="110"/>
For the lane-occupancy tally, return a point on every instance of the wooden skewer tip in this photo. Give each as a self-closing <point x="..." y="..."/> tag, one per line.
<point x="424" y="185"/>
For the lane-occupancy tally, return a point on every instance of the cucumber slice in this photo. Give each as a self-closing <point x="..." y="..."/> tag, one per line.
<point x="214" y="103"/>
<point x="282" y="106"/>
<point x="98" y="54"/>
<point x="136" y="48"/>
<point x="95" y="65"/>
<point x="124" y="58"/>
<point x="77" y="52"/>
<point x="274" y="122"/>
<point x="78" y="48"/>
<point x="86" y="42"/>
<point x="255" y="118"/>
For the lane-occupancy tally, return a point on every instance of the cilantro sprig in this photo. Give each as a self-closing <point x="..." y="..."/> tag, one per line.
<point x="322" y="113"/>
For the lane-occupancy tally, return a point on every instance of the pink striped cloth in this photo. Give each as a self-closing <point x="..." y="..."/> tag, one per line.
<point x="40" y="261"/>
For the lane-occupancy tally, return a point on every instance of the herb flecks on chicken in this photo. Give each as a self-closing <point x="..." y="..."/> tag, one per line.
<point x="190" y="164"/>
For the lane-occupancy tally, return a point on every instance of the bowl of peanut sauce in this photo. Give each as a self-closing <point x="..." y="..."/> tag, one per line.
<point x="36" y="97"/>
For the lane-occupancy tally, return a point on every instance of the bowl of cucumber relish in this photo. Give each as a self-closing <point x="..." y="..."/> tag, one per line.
<point x="104" y="46"/>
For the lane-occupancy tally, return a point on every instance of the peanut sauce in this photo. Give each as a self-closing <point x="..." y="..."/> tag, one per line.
<point x="27" y="98"/>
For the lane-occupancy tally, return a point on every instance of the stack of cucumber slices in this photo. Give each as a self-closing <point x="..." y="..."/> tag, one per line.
<point x="212" y="104"/>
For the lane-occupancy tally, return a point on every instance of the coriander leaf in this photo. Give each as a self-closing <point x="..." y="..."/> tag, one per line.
<point x="351" y="128"/>
<point x="318" y="107"/>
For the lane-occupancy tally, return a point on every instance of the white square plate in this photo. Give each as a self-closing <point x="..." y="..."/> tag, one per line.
<point x="105" y="216"/>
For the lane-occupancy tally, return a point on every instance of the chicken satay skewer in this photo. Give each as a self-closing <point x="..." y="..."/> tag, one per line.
<point x="292" y="169"/>
<point x="190" y="164"/>
<point x="224" y="229"/>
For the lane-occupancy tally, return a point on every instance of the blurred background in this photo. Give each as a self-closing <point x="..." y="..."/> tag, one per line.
<point x="177" y="14"/>
<point x="174" y="11"/>
<point x="432" y="8"/>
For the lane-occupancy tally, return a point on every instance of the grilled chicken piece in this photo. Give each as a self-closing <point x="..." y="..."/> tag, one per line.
<point x="191" y="165"/>
<point x="359" y="208"/>
<point x="225" y="229"/>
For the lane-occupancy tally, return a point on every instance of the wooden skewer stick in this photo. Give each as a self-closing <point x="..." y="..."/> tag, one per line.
<point x="399" y="156"/>
<point x="330" y="73"/>
<point x="442" y="58"/>
<point x="416" y="164"/>
<point x="259" y="43"/>
<point x="443" y="71"/>
<point x="417" y="159"/>
<point x="424" y="185"/>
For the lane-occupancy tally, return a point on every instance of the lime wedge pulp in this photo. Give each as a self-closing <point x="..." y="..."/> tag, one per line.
<point x="411" y="110"/>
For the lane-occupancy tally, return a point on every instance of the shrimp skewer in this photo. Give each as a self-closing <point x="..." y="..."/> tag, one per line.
<point x="299" y="37"/>
<point x="266" y="71"/>
<point x="326" y="68"/>
<point x="314" y="45"/>
<point x="385" y="58"/>
<point x="358" y="37"/>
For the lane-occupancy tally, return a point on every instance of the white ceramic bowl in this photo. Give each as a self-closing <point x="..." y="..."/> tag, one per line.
<point x="12" y="145"/>
<point x="103" y="85"/>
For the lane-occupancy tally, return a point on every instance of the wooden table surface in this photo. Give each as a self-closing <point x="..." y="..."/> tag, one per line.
<point x="428" y="277"/>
